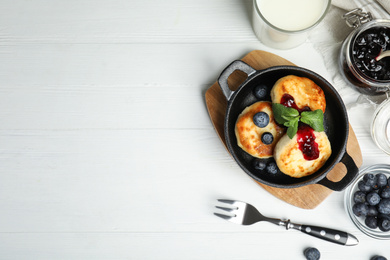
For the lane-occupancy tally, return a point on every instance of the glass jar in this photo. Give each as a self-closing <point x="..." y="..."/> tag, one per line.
<point x="357" y="61"/>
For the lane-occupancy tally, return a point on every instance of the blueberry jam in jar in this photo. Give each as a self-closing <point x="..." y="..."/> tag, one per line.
<point x="358" y="58"/>
<point x="367" y="47"/>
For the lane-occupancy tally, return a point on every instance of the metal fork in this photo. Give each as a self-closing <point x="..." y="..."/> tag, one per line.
<point x="245" y="214"/>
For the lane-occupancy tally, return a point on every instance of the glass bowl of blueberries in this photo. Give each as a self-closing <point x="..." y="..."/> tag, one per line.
<point x="367" y="201"/>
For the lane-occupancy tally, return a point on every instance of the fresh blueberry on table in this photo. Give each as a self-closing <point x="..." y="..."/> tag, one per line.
<point x="360" y="209"/>
<point x="260" y="92"/>
<point x="373" y="198"/>
<point x="371" y="222"/>
<point x="378" y="257"/>
<point x="312" y="253"/>
<point x="267" y="138"/>
<point x="261" y="119"/>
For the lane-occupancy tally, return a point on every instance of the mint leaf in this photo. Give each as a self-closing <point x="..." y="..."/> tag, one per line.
<point x="315" y="119"/>
<point x="290" y="117"/>
<point x="284" y="114"/>
<point x="292" y="127"/>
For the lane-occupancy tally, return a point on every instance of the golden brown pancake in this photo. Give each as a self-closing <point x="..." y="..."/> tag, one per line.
<point x="249" y="135"/>
<point x="291" y="161"/>
<point x="304" y="91"/>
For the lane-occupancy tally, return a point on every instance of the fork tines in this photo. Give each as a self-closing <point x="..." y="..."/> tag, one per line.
<point x="228" y="209"/>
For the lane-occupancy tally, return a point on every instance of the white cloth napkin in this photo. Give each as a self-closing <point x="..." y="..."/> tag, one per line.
<point x="329" y="35"/>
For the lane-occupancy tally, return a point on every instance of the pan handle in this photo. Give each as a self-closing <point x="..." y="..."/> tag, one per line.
<point x="352" y="171"/>
<point x="223" y="78"/>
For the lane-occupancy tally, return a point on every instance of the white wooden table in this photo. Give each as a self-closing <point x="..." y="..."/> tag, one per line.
<point x="106" y="147"/>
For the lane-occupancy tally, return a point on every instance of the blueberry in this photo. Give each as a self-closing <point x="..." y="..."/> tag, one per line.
<point x="378" y="257"/>
<point x="372" y="211"/>
<point x="384" y="206"/>
<point x="259" y="164"/>
<point x="381" y="180"/>
<point x="370" y="179"/>
<point x="359" y="196"/>
<point x="371" y="222"/>
<point x="312" y="253"/>
<point x="267" y="138"/>
<point x="364" y="187"/>
<point x="360" y="209"/>
<point x="384" y="224"/>
<point x="272" y="168"/>
<point x="261" y="119"/>
<point x="385" y="193"/>
<point x="373" y="198"/>
<point x="260" y="91"/>
<point x="385" y="216"/>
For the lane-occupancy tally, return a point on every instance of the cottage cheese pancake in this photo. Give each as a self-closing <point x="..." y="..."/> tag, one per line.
<point x="304" y="154"/>
<point x="298" y="92"/>
<point x="256" y="130"/>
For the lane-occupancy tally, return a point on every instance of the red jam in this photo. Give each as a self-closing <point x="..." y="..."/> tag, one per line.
<point x="305" y="135"/>
<point x="306" y="141"/>
<point x="288" y="101"/>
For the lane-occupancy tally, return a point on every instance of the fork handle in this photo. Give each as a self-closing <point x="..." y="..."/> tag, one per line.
<point x="331" y="235"/>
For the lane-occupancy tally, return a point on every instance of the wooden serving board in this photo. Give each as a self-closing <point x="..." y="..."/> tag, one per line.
<point x="306" y="197"/>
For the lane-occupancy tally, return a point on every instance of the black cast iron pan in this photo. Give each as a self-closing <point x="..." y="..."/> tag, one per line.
<point x="335" y="123"/>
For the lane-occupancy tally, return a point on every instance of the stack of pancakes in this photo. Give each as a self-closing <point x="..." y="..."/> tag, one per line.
<point x="286" y="152"/>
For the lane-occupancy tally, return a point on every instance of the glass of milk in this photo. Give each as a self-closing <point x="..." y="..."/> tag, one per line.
<point x="283" y="24"/>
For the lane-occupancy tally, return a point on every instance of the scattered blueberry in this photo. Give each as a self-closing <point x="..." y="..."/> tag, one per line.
<point x="260" y="91"/>
<point x="373" y="198"/>
<point x="378" y="257"/>
<point x="371" y="222"/>
<point x="267" y="138"/>
<point x="272" y="168"/>
<point x="261" y="119"/>
<point x="360" y="209"/>
<point x="364" y="187"/>
<point x="259" y="164"/>
<point x="385" y="193"/>
<point x="381" y="180"/>
<point x="384" y="206"/>
<point x="312" y="253"/>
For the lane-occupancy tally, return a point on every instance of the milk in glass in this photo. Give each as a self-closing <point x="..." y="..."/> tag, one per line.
<point x="283" y="24"/>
